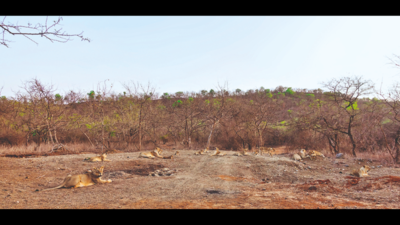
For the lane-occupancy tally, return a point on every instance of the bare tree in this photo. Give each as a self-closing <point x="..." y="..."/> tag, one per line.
<point x="39" y="29"/>
<point x="141" y="95"/>
<point x="342" y="110"/>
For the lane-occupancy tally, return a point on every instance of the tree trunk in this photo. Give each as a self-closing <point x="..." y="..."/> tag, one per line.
<point x="140" y="128"/>
<point x="209" y="137"/>
<point x="397" y="145"/>
<point x="55" y="135"/>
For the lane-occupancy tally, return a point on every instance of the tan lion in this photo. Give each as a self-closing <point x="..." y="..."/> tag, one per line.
<point x="177" y="153"/>
<point x="297" y="157"/>
<point x="81" y="180"/>
<point x="362" y="172"/>
<point x="314" y="154"/>
<point x="303" y="154"/>
<point x="201" y="152"/>
<point x="270" y="151"/>
<point x="245" y="152"/>
<point x="217" y="153"/>
<point x="98" y="158"/>
<point x="237" y="154"/>
<point x="146" y="155"/>
<point x="159" y="151"/>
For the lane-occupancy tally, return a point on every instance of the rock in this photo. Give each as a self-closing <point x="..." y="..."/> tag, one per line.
<point x="373" y="167"/>
<point x="346" y="165"/>
<point x="165" y="169"/>
<point x="340" y="172"/>
<point x="309" y="167"/>
<point x="379" y="166"/>
<point x="127" y="157"/>
<point x="339" y="155"/>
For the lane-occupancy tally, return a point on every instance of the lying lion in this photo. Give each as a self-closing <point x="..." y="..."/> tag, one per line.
<point x="177" y="153"/>
<point x="201" y="152"/>
<point x="81" y="180"/>
<point x="217" y="153"/>
<point x="270" y="151"/>
<point x="314" y="154"/>
<point x="297" y="157"/>
<point x="362" y="172"/>
<point x="303" y="154"/>
<point x="151" y="154"/>
<point x="98" y="158"/>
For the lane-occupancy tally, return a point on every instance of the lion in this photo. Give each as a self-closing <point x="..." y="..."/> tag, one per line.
<point x="201" y="152"/>
<point x="362" y="172"/>
<point x="237" y="154"/>
<point x="177" y="153"/>
<point x="168" y="157"/>
<point x="91" y="177"/>
<point x="217" y="153"/>
<point x="146" y="155"/>
<point x="98" y="158"/>
<point x="159" y="151"/>
<point x="297" y="157"/>
<point x="303" y="154"/>
<point x="244" y="152"/>
<point x="270" y="151"/>
<point x="156" y="153"/>
<point x="314" y="154"/>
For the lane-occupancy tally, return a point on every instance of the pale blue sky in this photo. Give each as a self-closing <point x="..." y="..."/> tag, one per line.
<point x="191" y="53"/>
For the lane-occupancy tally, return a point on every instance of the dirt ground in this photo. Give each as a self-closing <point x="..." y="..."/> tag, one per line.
<point x="200" y="182"/>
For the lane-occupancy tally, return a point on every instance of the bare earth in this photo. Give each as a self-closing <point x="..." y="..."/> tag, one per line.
<point x="201" y="181"/>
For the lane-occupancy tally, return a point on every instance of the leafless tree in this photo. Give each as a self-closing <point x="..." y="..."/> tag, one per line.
<point x="39" y="29"/>
<point x="342" y="111"/>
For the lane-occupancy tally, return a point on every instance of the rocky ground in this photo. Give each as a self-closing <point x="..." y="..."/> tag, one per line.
<point x="198" y="181"/>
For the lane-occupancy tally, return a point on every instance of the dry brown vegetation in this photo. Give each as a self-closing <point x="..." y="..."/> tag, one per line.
<point x="34" y="122"/>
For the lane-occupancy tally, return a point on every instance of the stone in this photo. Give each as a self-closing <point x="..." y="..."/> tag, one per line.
<point x="339" y="155"/>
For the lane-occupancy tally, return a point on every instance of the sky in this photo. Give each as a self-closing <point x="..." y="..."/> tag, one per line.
<point x="192" y="53"/>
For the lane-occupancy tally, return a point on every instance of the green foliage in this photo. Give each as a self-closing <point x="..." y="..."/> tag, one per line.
<point x="289" y="91"/>
<point x="91" y="94"/>
<point x="3" y="97"/>
<point x="165" y="94"/>
<point x="269" y="94"/>
<point x="112" y="134"/>
<point x="386" y="121"/>
<point x="207" y="101"/>
<point x="238" y="90"/>
<point x="251" y="102"/>
<point x="267" y="90"/>
<point x="190" y="99"/>
<point x="177" y="103"/>
<point x="179" y="93"/>
<point x="310" y="95"/>
<point x="351" y="107"/>
<point x="212" y="92"/>
<point x="58" y="97"/>
<point x="204" y="92"/>
<point x="88" y="126"/>
<point x="290" y="111"/>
